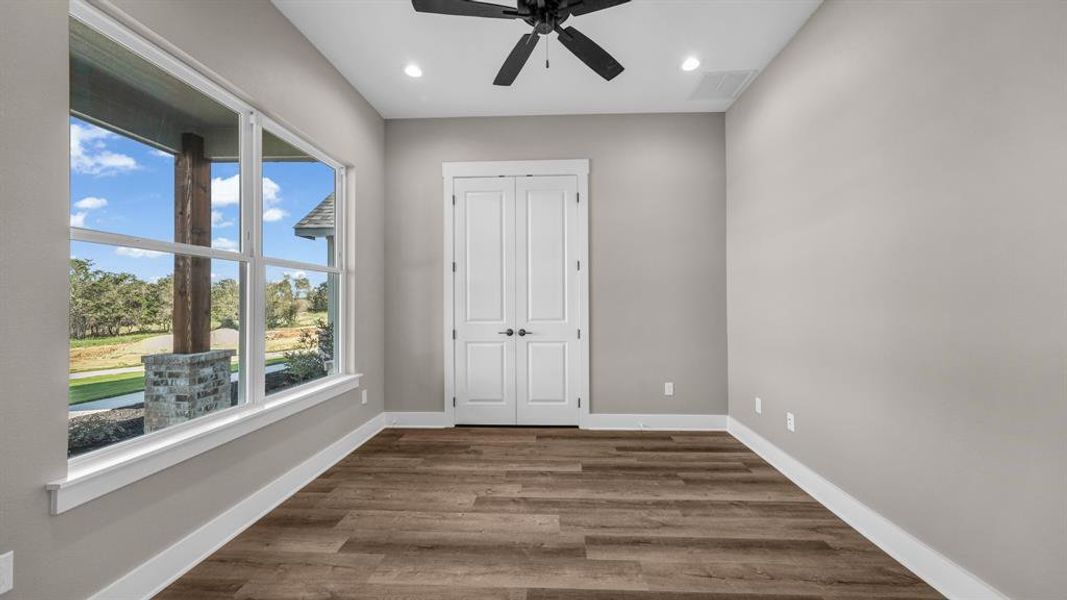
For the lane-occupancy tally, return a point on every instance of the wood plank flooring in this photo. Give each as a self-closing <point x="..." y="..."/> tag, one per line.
<point x="549" y="514"/>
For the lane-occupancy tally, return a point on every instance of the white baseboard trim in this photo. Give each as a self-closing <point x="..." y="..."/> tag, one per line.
<point x="418" y="420"/>
<point x="653" y="422"/>
<point x="938" y="570"/>
<point x="650" y="422"/>
<point x="162" y="569"/>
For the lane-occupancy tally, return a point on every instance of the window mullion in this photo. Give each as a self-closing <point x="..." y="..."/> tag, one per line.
<point x="343" y="236"/>
<point x="253" y="210"/>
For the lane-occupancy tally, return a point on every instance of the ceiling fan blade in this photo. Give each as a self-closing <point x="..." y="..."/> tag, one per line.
<point x="595" y="57"/>
<point x="582" y="7"/>
<point x="515" y="61"/>
<point x="466" y="8"/>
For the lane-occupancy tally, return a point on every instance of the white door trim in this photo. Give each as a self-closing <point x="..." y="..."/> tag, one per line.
<point x="453" y="170"/>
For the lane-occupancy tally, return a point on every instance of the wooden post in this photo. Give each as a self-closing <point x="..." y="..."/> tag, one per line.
<point x="192" y="225"/>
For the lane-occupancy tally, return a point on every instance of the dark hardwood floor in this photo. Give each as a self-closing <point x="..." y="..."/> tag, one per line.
<point x="549" y="514"/>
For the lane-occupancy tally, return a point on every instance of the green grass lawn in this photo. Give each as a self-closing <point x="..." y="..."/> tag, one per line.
<point x="130" y="338"/>
<point x="109" y="386"/>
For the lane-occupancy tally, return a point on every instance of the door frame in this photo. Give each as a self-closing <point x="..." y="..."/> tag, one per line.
<point x="450" y="171"/>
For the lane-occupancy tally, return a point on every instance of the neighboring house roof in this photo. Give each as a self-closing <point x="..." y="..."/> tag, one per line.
<point x="319" y="222"/>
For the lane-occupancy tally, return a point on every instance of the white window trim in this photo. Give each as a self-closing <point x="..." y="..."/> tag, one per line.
<point x="102" y="471"/>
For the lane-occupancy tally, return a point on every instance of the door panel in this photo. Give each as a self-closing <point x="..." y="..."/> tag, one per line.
<point x="546" y="255"/>
<point x="485" y="300"/>
<point x="546" y="297"/>
<point x="486" y="257"/>
<point x="546" y="366"/>
<point x="486" y="374"/>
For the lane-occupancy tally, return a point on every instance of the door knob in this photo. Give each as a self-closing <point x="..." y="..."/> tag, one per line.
<point x="523" y="332"/>
<point x="510" y="332"/>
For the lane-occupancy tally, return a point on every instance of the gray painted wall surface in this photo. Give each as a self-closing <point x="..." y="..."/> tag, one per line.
<point x="897" y="226"/>
<point x="74" y="554"/>
<point x="657" y="244"/>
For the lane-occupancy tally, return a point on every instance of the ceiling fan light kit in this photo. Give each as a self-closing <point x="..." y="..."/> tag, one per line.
<point x="545" y="16"/>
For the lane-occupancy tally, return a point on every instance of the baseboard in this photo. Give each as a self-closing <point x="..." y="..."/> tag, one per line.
<point x="936" y="569"/>
<point x="159" y="571"/>
<point x="654" y="422"/>
<point x="417" y="420"/>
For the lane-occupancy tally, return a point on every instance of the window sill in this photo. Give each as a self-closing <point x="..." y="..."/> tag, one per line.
<point x="101" y="473"/>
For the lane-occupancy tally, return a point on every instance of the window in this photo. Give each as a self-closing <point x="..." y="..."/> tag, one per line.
<point x="195" y="290"/>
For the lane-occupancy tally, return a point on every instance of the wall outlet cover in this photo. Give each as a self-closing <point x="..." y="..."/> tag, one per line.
<point x="363" y="396"/>
<point x="790" y="422"/>
<point x="759" y="406"/>
<point x="668" y="388"/>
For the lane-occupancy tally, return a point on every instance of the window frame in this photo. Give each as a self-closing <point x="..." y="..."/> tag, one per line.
<point x="100" y="471"/>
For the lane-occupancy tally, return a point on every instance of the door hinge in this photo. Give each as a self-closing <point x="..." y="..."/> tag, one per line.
<point x="453" y="401"/>
<point x="453" y="266"/>
<point x="577" y="197"/>
<point x="453" y="199"/>
<point x="579" y="402"/>
<point x="453" y="334"/>
<point x="579" y="334"/>
<point x="579" y="265"/>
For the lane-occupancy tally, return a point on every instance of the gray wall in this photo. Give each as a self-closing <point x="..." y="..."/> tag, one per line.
<point x="897" y="242"/>
<point x="657" y="251"/>
<point x="251" y="44"/>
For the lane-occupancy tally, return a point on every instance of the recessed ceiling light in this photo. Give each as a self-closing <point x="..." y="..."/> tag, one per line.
<point x="413" y="71"/>
<point x="691" y="64"/>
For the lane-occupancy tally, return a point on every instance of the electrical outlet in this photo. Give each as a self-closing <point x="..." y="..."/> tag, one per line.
<point x="7" y="572"/>
<point x="363" y="397"/>
<point x="759" y="405"/>
<point x="668" y="388"/>
<point x="790" y="422"/>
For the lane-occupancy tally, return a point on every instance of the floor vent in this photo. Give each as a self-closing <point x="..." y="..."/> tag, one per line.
<point x="723" y="85"/>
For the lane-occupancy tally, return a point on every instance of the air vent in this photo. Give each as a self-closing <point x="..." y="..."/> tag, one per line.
<point x="722" y="85"/>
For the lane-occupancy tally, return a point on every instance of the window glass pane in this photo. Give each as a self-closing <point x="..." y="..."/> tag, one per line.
<point x="301" y="308"/>
<point x="129" y="123"/>
<point x="298" y="204"/>
<point x="123" y="319"/>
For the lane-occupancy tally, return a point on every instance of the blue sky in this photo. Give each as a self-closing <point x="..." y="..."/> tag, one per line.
<point x="120" y="185"/>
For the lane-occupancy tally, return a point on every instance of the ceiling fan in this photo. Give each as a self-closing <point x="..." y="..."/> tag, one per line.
<point x="545" y="16"/>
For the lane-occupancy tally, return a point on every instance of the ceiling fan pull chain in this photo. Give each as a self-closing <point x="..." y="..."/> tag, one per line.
<point x="547" y="41"/>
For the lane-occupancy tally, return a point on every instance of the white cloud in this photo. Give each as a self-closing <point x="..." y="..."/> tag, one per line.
<point x="214" y="275"/>
<point x="221" y="243"/>
<point x="161" y="153"/>
<point x="89" y="154"/>
<point x="90" y="203"/>
<point x="227" y="191"/>
<point x="78" y="219"/>
<point x="296" y="274"/>
<point x="218" y="220"/>
<point x="271" y="192"/>
<point x="274" y="214"/>
<point x="137" y="252"/>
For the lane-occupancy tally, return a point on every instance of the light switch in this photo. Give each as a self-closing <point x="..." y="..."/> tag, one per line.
<point x="668" y="388"/>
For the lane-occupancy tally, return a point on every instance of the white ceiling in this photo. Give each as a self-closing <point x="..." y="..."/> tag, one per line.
<point x="371" y="41"/>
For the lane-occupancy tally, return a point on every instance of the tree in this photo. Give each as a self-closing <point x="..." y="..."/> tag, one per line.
<point x="226" y="303"/>
<point x="281" y="303"/>
<point x="160" y="309"/>
<point x="303" y="287"/>
<point x="319" y="298"/>
<point x="81" y="277"/>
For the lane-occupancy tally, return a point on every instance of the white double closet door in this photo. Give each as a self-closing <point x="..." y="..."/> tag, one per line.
<point x="516" y="300"/>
